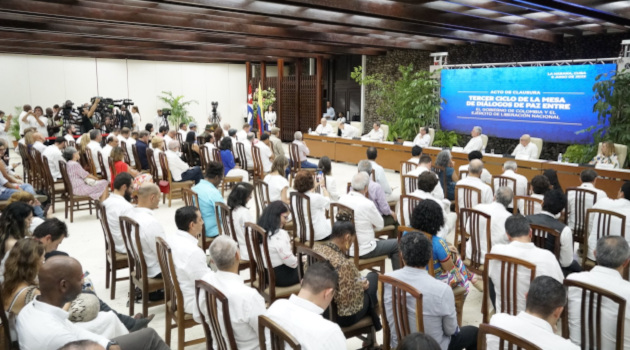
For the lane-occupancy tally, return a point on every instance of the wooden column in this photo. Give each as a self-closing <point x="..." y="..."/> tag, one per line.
<point x="248" y="74"/>
<point x="279" y="94"/>
<point x="298" y="80"/>
<point x="263" y="74"/>
<point x="319" y="85"/>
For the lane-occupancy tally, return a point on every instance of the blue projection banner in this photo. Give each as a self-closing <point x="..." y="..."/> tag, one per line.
<point x="551" y="102"/>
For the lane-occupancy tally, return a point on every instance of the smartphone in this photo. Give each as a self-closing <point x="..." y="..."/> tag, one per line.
<point x="320" y="176"/>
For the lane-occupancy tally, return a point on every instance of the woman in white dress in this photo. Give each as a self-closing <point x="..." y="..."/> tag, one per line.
<point x="135" y="113"/>
<point x="237" y="201"/>
<point x="305" y="184"/>
<point x="278" y="184"/>
<point x="270" y="117"/>
<point x="325" y="166"/>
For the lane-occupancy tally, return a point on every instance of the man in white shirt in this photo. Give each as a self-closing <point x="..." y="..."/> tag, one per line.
<point x="160" y="120"/>
<point x="150" y="228"/>
<point x="39" y="142"/>
<point x="416" y="152"/>
<point x="276" y="143"/>
<point x="589" y="180"/>
<point x="241" y="135"/>
<point x="379" y="174"/>
<point x="301" y="315"/>
<point x="324" y="128"/>
<point x="112" y="141"/>
<point x="499" y="213"/>
<point x="348" y="131"/>
<point x="226" y="129"/>
<point x="424" y="164"/>
<point x="473" y="179"/>
<point x="367" y="219"/>
<point x="540" y="185"/>
<point x="119" y="204"/>
<point x="621" y="205"/>
<point x="553" y="204"/>
<point x="95" y="147"/>
<point x="485" y="174"/>
<point x="303" y="151"/>
<point x="180" y="171"/>
<point x="376" y="134"/>
<point x="613" y="255"/>
<point x="27" y="112"/>
<point x="509" y="170"/>
<point x="189" y="260"/>
<point x="247" y="146"/>
<point x="43" y="325"/>
<point x="266" y="155"/>
<point x="245" y="303"/>
<point x="475" y="143"/>
<point x="170" y="136"/>
<point x="427" y="182"/>
<point x="519" y="235"/>
<point x="438" y="301"/>
<point x="53" y="155"/>
<point x="525" y="149"/>
<point x="183" y="130"/>
<point x="546" y="299"/>
<point x="125" y="136"/>
<point x="423" y="139"/>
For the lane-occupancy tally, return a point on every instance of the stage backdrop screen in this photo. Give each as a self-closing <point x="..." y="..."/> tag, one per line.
<point x="551" y="102"/>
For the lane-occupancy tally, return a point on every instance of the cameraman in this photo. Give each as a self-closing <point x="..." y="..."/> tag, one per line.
<point x="125" y="118"/>
<point x="215" y="115"/>
<point x="160" y="120"/>
<point x="86" y="116"/>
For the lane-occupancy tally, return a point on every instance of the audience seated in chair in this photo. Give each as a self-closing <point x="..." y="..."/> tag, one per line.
<point x="621" y="205"/>
<point x="418" y="341"/>
<point x="112" y="141"/>
<point x="208" y="193"/>
<point x="473" y="179"/>
<point x="117" y="205"/>
<point x="150" y="228"/>
<point x="14" y="225"/>
<point x="416" y="152"/>
<point x="300" y="315"/>
<point x="545" y="301"/>
<point x="553" y="204"/>
<point x="377" y="195"/>
<point x="54" y="156"/>
<point x="355" y="297"/>
<point x="475" y="143"/>
<point x="438" y="301"/>
<point x="589" y="180"/>
<point x="368" y="219"/>
<point x="486" y="177"/>
<point x="266" y="154"/>
<point x="379" y="175"/>
<point x="180" y="171"/>
<point x="526" y="149"/>
<point x="227" y="158"/>
<point x="427" y="183"/>
<point x="278" y="150"/>
<point x="325" y="166"/>
<point x="448" y="266"/>
<point x="303" y="151"/>
<point x="42" y="324"/>
<point x="95" y="146"/>
<point x="277" y="182"/>
<point x="189" y="259"/>
<point x="498" y="211"/>
<point x="125" y="136"/>
<point x="520" y="246"/>
<point x="424" y="164"/>
<point x="118" y="156"/>
<point x="141" y="147"/>
<point x="284" y="262"/>
<point x="509" y="170"/>
<point x="444" y="160"/>
<point x="245" y="303"/>
<point x="240" y="195"/>
<point x="304" y="183"/>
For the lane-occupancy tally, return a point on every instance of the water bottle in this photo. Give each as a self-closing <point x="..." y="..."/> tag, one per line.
<point x="309" y="130"/>
<point x="560" y="158"/>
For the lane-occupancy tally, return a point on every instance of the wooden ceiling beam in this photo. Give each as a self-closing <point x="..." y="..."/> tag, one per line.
<point x="577" y="9"/>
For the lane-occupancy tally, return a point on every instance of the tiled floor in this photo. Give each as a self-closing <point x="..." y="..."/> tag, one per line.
<point x="86" y="244"/>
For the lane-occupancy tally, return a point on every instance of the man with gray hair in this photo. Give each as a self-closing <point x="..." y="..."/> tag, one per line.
<point x="612" y="254"/>
<point x="509" y="170"/>
<point x="180" y="171"/>
<point x="368" y="219"/>
<point x="589" y="180"/>
<point x="499" y="212"/>
<point x="303" y="151"/>
<point x="276" y="143"/>
<point x="377" y="195"/>
<point x="474" y="180"/>
<point x="247" y="147"/>
<point x="376" y="134"/>
<point x="525" y="149"/>
<point x="95" y="147"/>
<point x="245" y="303"/>
<point x="475" y="143"/>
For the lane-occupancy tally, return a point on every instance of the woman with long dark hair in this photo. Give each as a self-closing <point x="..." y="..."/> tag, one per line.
<point x="552" y="176"/>
<point x="237" y="201"/>
<point x="14" y="225"/>
<point x="283" y="262"/>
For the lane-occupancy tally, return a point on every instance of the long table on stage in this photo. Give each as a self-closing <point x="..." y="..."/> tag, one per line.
<point x="390" y="156"/>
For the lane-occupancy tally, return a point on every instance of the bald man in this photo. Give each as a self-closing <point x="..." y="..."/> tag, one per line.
<point x="150" y="228"/>
<point x="526" y="149"/>
<point x="44" y="325"/>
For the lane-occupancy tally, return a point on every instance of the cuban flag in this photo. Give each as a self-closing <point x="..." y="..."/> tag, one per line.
<point x="250" y="108"/>
<point x="261" y="123"/>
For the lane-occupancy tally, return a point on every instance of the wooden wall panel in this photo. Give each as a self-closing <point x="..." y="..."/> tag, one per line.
<point x="308" y="102"/>
<point x="289" y="108"/>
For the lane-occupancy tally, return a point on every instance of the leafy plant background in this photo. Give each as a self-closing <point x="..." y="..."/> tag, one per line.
<point x="445" y="138"/>
<point x="269" y="98"/>
<point x="179" y="113"/>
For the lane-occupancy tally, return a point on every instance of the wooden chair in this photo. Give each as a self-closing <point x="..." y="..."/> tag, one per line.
<point x="600" y="225"/>
<point x="114" y="261"/>
<point x="301" y="214"/>
<point x="510" y="268"/>
<point x="529" y="205"/>
<point x="55" y="189"/>
<point x="471" y="228"/>
<point x="261" y="196"/>
<point x="264" y="278"/>
<point x="259" y="171"/>
<point x="579" y="211"/>
<point x="590" y="312"/>
<point x="225" y="221"/>
<point x="441" y="173"/>
<point x="26" y="165"/>
<point x="467" y="195"/>
<point x="110" y="162"/>
<point x="216" y="153"/>
<point x="546" y="238"/>
<point x="153" y="169"/>
<point x="507" y="340"/>
<point x="278" y="336"/>
<point x="229" y="182"/>
<point x="407" y="205"/>
<point x="503" y="181"/>
<point x="36" y="167"/>
<point x="91" y="162"/>
<point x="191" y="198"/>
<point x="174" y="299"/>
<point x="187" y="152"/>
<point x="360" y="263"/>
<point x="138" y="267"/>
<point x="400" y="291"/>
<point x="173" y="186"/>
<point x="212" y="326"/>
<point x="463" y="174"/>
<point x="136" y="157"/>
<point x="127" y="159"/>
<point x="409" y="183"/>
<point x="240" y="151"/>
<point x="204" y="156"/>
<point x="294" y="165"/>
<point x="71" y="200"/>
<point x="101" y="163"/>
<point x="406" y="167"/>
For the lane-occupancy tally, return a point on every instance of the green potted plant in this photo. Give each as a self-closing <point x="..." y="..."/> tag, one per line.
<point x="445" y="138"/>
<point x="177" y="105"/>
<point x="405" y="103"/>
<point x="15" y="126"/>
<point x="580" y="154"/>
